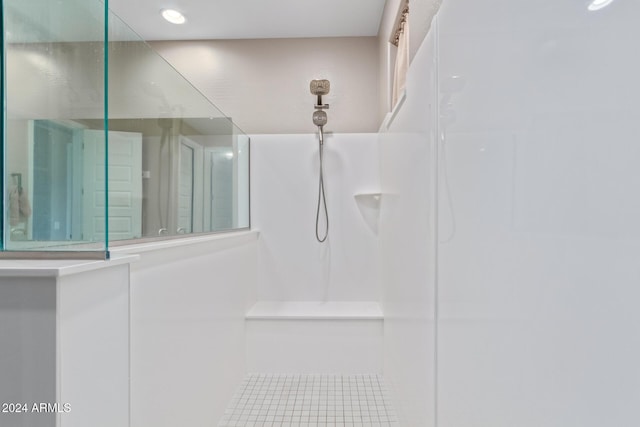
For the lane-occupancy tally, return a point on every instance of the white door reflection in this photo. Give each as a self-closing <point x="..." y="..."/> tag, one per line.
<point x="185" y="189"/>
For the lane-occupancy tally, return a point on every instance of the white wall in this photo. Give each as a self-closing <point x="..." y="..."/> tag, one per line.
<point x="263" y="85"/>
<point x="93" y="346"/>
<point x="536" y="224"/>
<point x="64" y="328"/>
<point x="284" y="189"/>
<point x="187" y="328"/>
<point x="407" y="241"/>
<point x="28" y="352"/>
<point x="539" y="235"/>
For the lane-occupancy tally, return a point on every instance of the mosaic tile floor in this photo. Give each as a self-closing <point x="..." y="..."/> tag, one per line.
<point x="296" y="400"/>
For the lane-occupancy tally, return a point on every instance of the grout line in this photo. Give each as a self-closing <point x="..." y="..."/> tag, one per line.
<point x="295" y="402"/>
<point x="344" y="421"/>
<point x="322" y="400"/>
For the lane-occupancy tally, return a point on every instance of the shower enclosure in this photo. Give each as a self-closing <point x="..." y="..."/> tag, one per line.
<point x="104" y="142"/>
<point x="507" y="244"/>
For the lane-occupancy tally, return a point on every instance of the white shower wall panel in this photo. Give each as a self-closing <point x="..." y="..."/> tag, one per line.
<point x="188" y="302"/>
<point x="292" y="265"/>
<point x="538" y="228"/>
<point x="407" y="238"/>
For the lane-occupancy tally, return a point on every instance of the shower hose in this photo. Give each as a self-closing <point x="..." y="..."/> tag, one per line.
<point x="321" y="196"/>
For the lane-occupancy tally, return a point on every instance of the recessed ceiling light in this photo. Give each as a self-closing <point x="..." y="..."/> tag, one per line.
<point x="173" y="16"/>
<point x="599" y="4"/>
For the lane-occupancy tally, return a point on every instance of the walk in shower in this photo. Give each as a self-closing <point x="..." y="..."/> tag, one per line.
<point x="482" y="268"/>
<point x="104" y="141"/>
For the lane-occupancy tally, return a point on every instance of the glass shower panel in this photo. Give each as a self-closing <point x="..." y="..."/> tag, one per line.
<point x="54" y="80"/>
<point x="57" y="146"/>
<point x="188" y="155"/>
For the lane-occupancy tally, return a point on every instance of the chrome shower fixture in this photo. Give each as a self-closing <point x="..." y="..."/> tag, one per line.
<point x="319" y="88"/>
<point x="319" y="118"/>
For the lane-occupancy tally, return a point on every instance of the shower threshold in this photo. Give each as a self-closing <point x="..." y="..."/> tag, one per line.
<point x="304" y="400"/>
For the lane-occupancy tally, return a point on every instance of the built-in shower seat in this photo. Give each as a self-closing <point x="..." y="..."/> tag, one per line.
<point x="315" y="337"/>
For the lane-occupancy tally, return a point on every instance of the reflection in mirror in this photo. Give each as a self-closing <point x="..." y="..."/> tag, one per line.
<point x="190" y="177"/>
<point x="166" y="177"/>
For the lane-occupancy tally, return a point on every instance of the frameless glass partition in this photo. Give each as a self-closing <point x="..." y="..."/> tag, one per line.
<point x="94" y="158"/>
<point x="188" y="160"/>
<point x="53" y="75"/>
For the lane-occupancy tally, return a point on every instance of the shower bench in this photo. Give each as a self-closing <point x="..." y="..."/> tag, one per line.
<point x="314" y="337"/>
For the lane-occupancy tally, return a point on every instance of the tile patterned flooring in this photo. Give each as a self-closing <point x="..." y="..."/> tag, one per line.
<point x="300" y="400"/>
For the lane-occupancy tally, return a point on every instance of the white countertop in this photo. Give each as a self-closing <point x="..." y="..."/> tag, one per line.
<point x="58" y="268"/>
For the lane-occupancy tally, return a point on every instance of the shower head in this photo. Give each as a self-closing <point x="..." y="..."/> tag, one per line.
<point x="319" y="87"/>
<point x="319" y="118"/>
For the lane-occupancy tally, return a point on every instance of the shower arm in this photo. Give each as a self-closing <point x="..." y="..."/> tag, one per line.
<point x="319" y="105"/>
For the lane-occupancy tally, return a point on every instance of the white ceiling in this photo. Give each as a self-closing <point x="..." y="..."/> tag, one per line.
<point x="244" y="19"/>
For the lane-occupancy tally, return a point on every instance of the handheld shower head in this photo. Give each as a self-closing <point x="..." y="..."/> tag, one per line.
<point x="319" y="87"/>
<point x="319" y="118"/>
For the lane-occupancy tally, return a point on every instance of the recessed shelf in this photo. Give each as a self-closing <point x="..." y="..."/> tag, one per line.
<point x="369" y="206"/>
